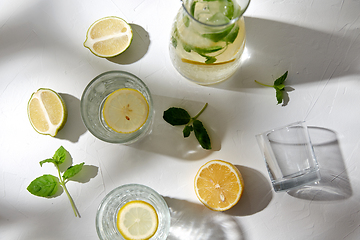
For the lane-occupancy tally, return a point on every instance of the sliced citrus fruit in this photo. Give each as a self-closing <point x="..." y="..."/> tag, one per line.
<point x="47" y="111"/>
<point x="137" y="220"/>
<point x="219" y="185"/>
<point x="108" y="37"/>
<point x="125" y="110"/>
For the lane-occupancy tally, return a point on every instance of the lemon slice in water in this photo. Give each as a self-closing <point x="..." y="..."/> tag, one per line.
<point x="125" y="110"/>
<point x="108" y="37"/>
<point x="137" y="220"/>
<point x="47" y="111"/>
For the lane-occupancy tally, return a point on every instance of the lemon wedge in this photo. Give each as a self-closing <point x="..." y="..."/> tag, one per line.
<point x="47" y="111"/>
<point x="125" y="110"/>
<point x="219" y="185"/>
<point x="108" y="37"/>
<point x="137" y="220"/>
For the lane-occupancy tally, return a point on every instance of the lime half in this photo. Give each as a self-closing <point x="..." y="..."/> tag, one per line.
<point x="47" y="111"/>
<point x="108" y="37"/>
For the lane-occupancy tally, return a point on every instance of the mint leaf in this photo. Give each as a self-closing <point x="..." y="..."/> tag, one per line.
<point x="201" y="135"/>
<point x="60" y="155"/>
<point x="44" y="186"/>
<point x="47" y="185"/>
<point x="230" y="38"/>
<point x="279" y="87"/>
<point x="50" y="160"/>
<point x="216" y="37"/>
<point x="72" y="171"/>
<point x="281" y="79"/>
<point x="187" y="130"/>
<point x="176" y="116"/>
<point x="181" y="117"/>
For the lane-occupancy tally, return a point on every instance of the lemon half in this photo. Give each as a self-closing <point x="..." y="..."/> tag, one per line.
<point x="219" y="185"/>
<point x="47" y="111"/>
<point x="125" y="110"/>
<point x="108" y="37"/>
<point x="137" y="220"/>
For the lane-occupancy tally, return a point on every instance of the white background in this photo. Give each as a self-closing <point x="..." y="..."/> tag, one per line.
<point x="41" y="46"/>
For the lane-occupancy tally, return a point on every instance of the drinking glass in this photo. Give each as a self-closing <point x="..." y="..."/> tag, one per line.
<point x="289" y="156"/>
<point x="106" y="216"/>
<point x="208" y="38"/>
<point x="93" y="99"/>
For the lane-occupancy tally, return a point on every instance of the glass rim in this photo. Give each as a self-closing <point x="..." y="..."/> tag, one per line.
<point x="232" y="21"/>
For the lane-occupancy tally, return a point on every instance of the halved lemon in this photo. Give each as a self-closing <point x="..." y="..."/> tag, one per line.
<point x="108" y="37"/>
<point x="137" y="220"/>
<point x="125" y="110"/>
<point x="219" y="185"/>
<point x="47" y="111"/>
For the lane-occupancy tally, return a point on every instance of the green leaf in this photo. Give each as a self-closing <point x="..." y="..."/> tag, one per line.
<point x="174" y="41"/>
<point x="44" y="186"/>
<point x="176" y="116"/>
<point x="187" y="130"/>
<point x="281" y="79"/>
<point x="207" y="50"/>
<point x="192" y="8"/>
<point x="201" y="134"/>
<point x="210" y="60"/>
<point x="216" y="37"/>
<point x="60" y="155"/>
<point x="186" y="21"/>
<point x="279" y="96"/>
<point x="50" y="160"/>
<point x="230" y="38"/>
<point x="73" y="170"/>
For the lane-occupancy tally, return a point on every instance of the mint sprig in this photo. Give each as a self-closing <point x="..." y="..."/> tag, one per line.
<point x="47" y="185"/>
<point x="279" y="87"/>
<point x="179" y="116"/>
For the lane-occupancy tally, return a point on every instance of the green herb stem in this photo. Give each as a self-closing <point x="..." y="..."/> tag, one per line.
<point x="62" y="183"/>
<point x="265" y="85"/>
<point x="202" y="110"/>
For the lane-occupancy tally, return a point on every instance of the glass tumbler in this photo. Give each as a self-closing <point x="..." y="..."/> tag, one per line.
<point x="93" y="99"/>
<point x="207" y="39"/>
<point x="106" y="215"/>
<point x="289" y="156"/>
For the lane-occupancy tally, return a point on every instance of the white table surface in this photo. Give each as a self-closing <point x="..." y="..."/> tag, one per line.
<point x="41" y="45"/>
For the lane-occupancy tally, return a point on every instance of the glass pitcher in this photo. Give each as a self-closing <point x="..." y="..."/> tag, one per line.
<point x="208" y="38"/>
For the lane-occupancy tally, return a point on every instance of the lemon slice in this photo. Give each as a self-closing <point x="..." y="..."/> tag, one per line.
<point x="108" y="37"/>
<point x="125" y="110"/>
<point x="46" y="111"/>
<point x="219" y="185"/>
<point x="137" y="220"/>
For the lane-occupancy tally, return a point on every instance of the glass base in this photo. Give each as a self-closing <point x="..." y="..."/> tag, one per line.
<point x="297" y="180"/>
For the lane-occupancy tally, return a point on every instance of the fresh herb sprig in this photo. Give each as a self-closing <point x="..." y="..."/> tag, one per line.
<point x="179" y="116"/>
<point x="47" y="185"/>
<point x="279" y="86"/>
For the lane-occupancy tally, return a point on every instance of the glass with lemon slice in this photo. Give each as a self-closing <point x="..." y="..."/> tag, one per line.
<point x="133" y="211"/>
<point x="117" y="107"/>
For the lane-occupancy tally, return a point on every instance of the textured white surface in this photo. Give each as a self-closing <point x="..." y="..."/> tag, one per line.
<point x="318" y="42"/>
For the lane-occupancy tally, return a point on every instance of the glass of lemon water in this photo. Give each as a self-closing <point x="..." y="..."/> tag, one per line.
<point x="117" y="107"/>
<point x="125" y="199"/>
<point x="208" y="38"/>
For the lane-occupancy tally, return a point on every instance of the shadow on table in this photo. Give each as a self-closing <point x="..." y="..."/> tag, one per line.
<point x="168" y="140"/>
<point x="334" y="183"/>
<point x="257" y="193"/>
<point x="194" y="221"/>
<point x="309" y="55"/>
<point x="74" y="126"/>
<point x="137" y="49"/>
